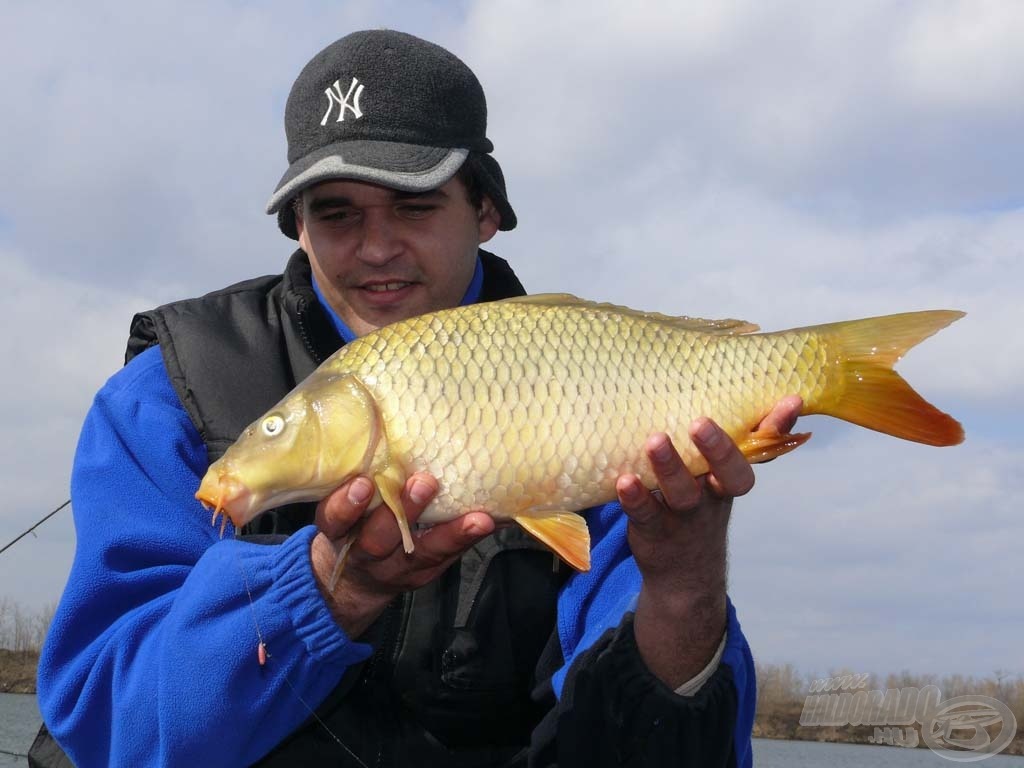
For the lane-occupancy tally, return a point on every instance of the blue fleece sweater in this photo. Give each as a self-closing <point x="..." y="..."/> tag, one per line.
<point x="152" y="655"/>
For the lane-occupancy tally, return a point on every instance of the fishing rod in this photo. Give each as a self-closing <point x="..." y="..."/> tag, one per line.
<point x="31" y="530"/>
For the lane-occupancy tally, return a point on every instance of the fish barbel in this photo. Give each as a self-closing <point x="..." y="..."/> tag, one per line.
<point x="531" y="408"/>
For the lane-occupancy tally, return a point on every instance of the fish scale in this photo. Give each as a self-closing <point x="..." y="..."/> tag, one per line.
<point x="582" y="388"/>
<point x="531" y="408"/>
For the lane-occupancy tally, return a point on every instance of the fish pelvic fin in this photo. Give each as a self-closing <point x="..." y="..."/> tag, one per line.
<point x="390" y="482"/>
<point x="871" y="393"/>
<point x="564" y="532"/>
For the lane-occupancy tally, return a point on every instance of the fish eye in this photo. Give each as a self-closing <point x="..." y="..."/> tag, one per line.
<point x="272" y="425"/>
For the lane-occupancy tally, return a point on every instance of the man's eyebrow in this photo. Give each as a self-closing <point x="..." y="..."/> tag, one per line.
<point x="329" y="202"/>
<point x="430" y="194"/>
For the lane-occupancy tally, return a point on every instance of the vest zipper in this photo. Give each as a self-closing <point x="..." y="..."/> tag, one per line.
<point x="307" y="339"/>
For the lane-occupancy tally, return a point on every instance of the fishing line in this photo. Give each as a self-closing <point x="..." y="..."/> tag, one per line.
<point x="264" y="655"/>
<point x="42" y="520"/>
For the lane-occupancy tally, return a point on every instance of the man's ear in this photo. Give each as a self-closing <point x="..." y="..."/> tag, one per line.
<point x="488" y="219"/>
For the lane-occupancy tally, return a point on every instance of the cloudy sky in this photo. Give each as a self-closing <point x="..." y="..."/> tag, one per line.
<point x="788" y="163"/>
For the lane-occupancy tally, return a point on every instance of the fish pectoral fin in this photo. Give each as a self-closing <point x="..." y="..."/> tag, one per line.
<point x="766" y="444"/>
<point x="390" y="482"/>
<point x="727" y="326"/>
<point x="563" y="531"/>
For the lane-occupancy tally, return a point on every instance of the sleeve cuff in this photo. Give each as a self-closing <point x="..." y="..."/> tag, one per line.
<point x="695" y="683"/>
<point x="614" y="710"/>
<point x="300" y="597"/>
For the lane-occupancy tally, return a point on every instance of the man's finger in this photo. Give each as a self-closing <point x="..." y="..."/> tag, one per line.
<point x="343" y="508"/>
<point x="642" y="507"/>
<point x="679" y="488"/>
<point x="449" y="540"/>
<point x="782" y="418"/>
<point x="730" y="473"/>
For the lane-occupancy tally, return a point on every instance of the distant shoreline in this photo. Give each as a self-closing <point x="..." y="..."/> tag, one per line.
<point x="782" y="723"/>
<point x="18" y="671"/>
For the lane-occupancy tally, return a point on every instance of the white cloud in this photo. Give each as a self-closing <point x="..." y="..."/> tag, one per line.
<point x="66" y="337"/>
<point x="870" y="553"/>
<point x="805" y="102"/>
<point x="964" y="54"/>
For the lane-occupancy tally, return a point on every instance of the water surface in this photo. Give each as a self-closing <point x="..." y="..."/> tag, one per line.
<point x="19" y="723"/>
<point x="770" y="753"/>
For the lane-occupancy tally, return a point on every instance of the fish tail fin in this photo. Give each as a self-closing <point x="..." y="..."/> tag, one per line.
<point x="872" y="394"/>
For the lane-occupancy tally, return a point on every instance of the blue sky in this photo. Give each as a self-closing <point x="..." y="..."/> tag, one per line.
<point x="789" y="163"/>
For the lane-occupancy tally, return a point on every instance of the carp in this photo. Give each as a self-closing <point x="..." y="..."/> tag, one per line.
<point x="530" y="408"/>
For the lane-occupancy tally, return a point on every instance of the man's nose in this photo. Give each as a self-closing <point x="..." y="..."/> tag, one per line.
<point x="380" y="238"/>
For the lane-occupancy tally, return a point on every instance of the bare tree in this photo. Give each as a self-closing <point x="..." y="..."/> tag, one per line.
<point x="7" y="607"/>
<point x="22" y="637"/>
<point x="21" y="629"/>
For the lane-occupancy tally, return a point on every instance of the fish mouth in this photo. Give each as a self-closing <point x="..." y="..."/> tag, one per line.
<point x="228" y="497"/>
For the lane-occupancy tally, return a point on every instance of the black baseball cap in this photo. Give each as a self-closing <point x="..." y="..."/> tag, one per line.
<point x="391" y="109"/>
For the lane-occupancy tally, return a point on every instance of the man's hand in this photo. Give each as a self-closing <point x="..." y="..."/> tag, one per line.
<point x="678" y="537"/>
<point x="377" y="568"/>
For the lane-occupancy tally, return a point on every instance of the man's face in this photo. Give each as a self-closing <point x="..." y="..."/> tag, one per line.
<point x="380" y="255"/>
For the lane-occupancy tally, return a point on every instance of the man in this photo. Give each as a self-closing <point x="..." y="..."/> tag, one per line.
<point x="174" y="646"/>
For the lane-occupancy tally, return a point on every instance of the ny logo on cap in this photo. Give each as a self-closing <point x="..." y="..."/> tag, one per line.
<point x="355" y="90"/>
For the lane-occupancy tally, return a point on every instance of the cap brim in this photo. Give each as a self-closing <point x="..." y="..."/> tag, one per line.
<point x="407" y="167"/>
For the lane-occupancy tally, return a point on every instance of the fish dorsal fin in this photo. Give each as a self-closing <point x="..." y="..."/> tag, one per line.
<point x="726" y="326"/>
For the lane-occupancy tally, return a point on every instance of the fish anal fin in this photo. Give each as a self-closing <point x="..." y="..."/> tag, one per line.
<point x="728" y="326"/>
<point x="564" y="532"/>
<point x="768" y="443"/>
<point x="390" y="481"/>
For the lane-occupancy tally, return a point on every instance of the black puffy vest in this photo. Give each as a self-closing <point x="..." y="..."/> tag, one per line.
<point x="454" y="663"/>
